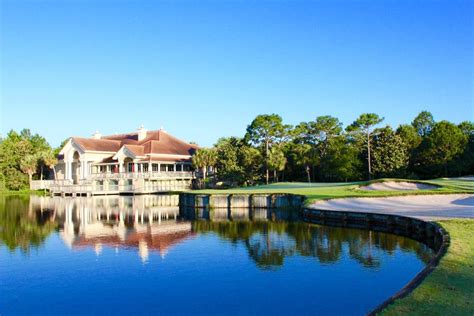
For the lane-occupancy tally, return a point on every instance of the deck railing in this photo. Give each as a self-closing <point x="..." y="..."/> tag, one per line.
<point x="114" y="189"/>
<point x="40" y="184"/>
<point x="94" y="183"/>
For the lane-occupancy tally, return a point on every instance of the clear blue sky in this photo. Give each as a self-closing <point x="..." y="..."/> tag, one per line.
<point x="206" y="69"/>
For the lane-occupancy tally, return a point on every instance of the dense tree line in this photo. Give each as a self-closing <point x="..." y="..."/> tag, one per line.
<point x="323" y="150"/>
<point x="271" y="151"/>
<point x="24" y="156"/>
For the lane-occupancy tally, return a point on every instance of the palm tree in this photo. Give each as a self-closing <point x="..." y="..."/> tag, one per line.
<point x="199" y="161"/>
<point x="50" y="160"/>
<point x="211" y="157"/>
<point x="203" y="159"/>
<point x="28" y="165"/>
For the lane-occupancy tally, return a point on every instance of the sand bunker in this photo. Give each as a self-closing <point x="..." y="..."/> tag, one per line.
<point x="419" y="206"/>
<point x="397" y="186"/>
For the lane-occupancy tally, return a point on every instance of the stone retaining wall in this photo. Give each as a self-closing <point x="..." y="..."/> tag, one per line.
<point x="240" y="200"/>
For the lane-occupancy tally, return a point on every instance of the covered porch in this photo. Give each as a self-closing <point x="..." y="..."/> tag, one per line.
<point x="139" y="167"/>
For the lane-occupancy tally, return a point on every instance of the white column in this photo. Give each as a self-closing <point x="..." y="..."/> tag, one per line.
<point x="87" y="169"/>
<point x="83" y="169"/>
<point x="69" y="170"/>
<point x="66" y="170"/>
<point x="121" y="166"/>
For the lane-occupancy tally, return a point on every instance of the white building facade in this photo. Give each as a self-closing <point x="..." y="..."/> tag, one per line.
<point x="139" y="162"/>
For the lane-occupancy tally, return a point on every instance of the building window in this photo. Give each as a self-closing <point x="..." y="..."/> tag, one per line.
<point x="99" y="185"/>
<point x="179" y="167"/>
<point x="113" y="185"/>
<point x="154" y="167"/>
<point x="130" y="167"/>
<point x="163" y="167"/>
<point x="145" y="167"/>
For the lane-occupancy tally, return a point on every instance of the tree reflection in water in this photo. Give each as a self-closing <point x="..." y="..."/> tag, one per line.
<point x="269" y="243"/>
<point x="23" y="226"/>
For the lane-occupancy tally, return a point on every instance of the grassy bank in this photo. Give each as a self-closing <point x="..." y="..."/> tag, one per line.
<point x="23" y="192"/>
<point x="321" y="191"/>
<point x="449" y="289"/>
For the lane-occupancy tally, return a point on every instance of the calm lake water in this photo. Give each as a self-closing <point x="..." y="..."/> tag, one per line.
<point x="142" y="255"/>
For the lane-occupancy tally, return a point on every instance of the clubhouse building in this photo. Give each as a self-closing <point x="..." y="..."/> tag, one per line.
<point x="138" y="162"/>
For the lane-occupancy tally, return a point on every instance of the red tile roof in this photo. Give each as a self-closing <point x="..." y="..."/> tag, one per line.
<point x="122" y="137"/>
<point x="91" y="144"/>
<point x="155" y="142"/>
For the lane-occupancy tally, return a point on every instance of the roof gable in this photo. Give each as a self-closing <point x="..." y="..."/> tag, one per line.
<point x="164" y="143"/>
<point x="137" y="150"/>
<point x="130" y="151"/>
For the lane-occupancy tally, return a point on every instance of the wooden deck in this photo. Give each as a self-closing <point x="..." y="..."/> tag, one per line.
<point x="88" y="190"/>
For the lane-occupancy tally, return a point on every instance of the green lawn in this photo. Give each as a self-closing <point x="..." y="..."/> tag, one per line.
<point x="449" y="289"/>
<point x="321" y="191"/>
<point x="22" y="192"/>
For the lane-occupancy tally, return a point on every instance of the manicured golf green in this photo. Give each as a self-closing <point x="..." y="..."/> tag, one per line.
<point x="321" y="191"/>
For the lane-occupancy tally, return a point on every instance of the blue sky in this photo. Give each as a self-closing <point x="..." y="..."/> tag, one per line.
<point x="205" y="69"/>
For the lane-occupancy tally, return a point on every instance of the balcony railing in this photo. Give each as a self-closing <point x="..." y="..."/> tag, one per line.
<point x="142" y="175"/>
<point x="114" y="189"/>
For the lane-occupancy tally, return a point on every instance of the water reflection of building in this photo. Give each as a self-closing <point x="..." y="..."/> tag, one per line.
<point x="153" y="223"/>
<point x="146" y="223"/>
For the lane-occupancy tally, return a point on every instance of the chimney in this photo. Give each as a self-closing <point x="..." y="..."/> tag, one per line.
<point x="96" y="135"/>
<point x="141" y="133"/>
